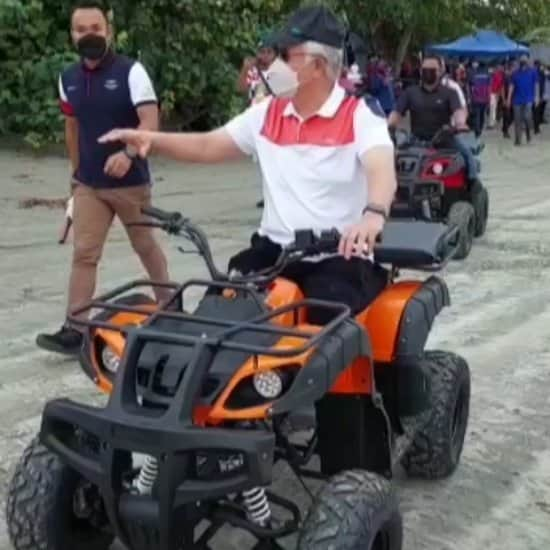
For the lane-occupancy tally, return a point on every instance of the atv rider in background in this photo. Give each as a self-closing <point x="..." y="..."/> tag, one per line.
<point x="432" y="106"/>
<point x="327" y="162"/>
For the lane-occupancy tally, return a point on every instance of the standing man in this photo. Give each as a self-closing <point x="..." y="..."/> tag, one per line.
<point x="523" y="94"/>
<point x="480" y="93"/>
<point x="381" y="86"/>
<point x="497" y="83"/>
<point x="102" y="91"/>
<point x="538" y="108"/>
<point x="507" y="114"/>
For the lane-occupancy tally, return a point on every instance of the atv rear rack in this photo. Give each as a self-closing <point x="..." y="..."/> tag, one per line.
<point x="262" y="323"/>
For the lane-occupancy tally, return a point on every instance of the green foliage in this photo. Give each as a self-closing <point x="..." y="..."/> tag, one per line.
<point x="193" y="48"/>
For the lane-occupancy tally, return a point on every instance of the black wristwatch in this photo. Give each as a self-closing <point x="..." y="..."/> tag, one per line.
<point x="376" y="209"/>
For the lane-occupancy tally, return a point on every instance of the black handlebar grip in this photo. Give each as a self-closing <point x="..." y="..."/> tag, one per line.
<point x="158" y="214"/>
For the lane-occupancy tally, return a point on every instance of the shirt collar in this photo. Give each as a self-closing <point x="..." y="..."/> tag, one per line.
<point x="328" y="109"/>
<point x="108" y="58"/>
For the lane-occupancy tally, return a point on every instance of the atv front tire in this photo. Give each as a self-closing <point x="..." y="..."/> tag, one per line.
<point x="437" y="446"/>
<point x="462" y="215"/>
<point x="40" y="510"/>
<point x="355" y="510"/>
<point x="481" y="207"/>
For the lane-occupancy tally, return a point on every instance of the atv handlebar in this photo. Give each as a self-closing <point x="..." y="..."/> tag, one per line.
<point x="306" y="244"/>
<point x="425" y="246"/>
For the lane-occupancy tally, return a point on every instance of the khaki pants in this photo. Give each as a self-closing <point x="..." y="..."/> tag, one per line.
<point x="94" y="211"/>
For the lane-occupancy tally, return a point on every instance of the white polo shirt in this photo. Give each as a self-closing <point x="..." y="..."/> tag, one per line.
<point x="313" y="177"/>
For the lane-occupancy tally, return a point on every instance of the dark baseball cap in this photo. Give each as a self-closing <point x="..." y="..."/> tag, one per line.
<point x="312" y="23"/>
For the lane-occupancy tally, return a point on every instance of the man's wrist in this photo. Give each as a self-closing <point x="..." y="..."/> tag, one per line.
<point x="376" y="209"/>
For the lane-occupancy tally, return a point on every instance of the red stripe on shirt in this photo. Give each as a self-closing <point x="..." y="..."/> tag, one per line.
<point x="317" y="130"/>
<point x="66" y="108"/>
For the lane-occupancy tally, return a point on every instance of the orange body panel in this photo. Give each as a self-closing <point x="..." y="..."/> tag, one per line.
<point x="382" y="318"/>
<point x="283" y="293"/>
<point x="115" y="340"/>
<point x="260" y="364"/>
<point x="355" y="379"/>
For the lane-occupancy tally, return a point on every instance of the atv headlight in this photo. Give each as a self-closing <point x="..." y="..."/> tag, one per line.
<point x="438" y="168"/>
<point x="110" y="359"/>
<point x="269" y="384"/>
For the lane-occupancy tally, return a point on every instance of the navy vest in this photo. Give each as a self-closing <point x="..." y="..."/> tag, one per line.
<point x="100" y="100"/>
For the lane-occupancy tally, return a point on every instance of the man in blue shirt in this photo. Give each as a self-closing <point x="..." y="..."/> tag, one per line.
<point x="103" y="91"/>
<point x="523" y="94"/>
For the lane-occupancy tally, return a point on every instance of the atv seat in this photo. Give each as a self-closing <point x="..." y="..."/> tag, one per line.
<point x="416" y="245"/>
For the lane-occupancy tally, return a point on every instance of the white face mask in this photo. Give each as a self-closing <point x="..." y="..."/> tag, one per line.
<point x="281" y="79"/>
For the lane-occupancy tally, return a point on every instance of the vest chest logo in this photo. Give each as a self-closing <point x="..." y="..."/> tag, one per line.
<point x="71" y="88"/>
<point x="111" y="84"/>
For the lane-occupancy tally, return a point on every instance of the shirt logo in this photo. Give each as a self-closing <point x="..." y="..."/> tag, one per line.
<point x="111" y="84"/>
<point x="71" y="88"/>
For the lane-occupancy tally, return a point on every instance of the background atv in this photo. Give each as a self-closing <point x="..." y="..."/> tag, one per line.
<point x="203" y="404"/>
<point x="433" y="186"/>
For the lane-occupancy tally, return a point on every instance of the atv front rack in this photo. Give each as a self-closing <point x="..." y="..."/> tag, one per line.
<point x="173" y="309"/>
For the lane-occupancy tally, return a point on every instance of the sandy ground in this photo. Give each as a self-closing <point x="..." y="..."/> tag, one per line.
<point x="499" y="498"/>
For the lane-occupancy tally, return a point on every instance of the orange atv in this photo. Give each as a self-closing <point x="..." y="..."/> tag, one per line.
<point x="203" y="404"/>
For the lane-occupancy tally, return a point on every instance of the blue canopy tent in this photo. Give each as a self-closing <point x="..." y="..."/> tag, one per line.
<point x="484" y="44"/>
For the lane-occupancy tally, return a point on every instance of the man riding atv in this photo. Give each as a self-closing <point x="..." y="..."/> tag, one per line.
<point x="433" y="106"/>
<point x="327" y="161"/>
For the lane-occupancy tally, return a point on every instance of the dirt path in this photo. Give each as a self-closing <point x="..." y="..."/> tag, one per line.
<point x="499" y="320"/>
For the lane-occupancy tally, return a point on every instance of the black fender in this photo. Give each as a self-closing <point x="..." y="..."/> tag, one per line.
<point x="418" y="317"/>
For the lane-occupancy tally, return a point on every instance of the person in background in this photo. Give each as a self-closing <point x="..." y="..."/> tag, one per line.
<point x="497" y="83"/>
<point x="461" y="78"/>
<point x="507" y="113"/>
<point x="537" y="108"/>
<point x="433" y="106"/>
<point x="103" y="90"/>
<point x="545" y="97"/>
<point x="250" y="80"/>
<point x="351" y="78"/>
<point x="381" y="87"/>
<point x="522" y="95"/>
<point x="446" y="80"/>
<point x="480" y="85"/>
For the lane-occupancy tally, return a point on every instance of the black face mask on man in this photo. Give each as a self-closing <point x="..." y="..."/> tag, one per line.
<point x="429" y="76"/>
<point x="92" y="47"/>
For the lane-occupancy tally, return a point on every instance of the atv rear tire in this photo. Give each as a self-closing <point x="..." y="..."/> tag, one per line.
<point x="437" y="446"/>
<point x="40" y="506"/>
<point x="356" y="510"/>
<point x="481" y="207"/>
<point x="463" y="216"/>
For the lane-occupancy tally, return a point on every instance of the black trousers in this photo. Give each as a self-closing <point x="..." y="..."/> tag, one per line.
<point x="507" y="120"/>
<point x="355" y="282"/>
<point x="538" y="115"/>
